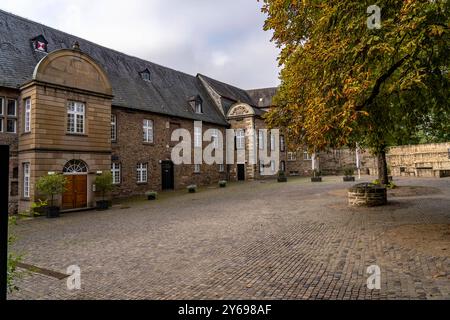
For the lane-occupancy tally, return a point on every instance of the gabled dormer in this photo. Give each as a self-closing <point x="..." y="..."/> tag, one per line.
<point x="39" y="43"/>
<point x="196" y="104"/>
<point x="145" y="75"/>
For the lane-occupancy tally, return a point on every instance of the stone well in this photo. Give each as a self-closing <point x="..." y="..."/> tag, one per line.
<point x="367" y="195"/>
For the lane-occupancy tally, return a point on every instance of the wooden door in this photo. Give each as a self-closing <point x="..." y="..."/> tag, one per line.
<point x="75" y="195"/>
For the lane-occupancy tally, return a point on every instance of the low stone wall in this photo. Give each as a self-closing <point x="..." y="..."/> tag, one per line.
<point x="367" y="195"/>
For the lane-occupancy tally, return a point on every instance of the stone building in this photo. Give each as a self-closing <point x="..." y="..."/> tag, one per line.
<point x="73" y="107"/>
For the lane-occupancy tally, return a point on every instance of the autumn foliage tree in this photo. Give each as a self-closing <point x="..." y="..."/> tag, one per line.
<point x="344" y="83"/>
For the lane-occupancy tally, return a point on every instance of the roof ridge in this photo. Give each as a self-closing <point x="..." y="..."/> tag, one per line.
<point x="91" y="42"/>
<point x="230" y="85"/>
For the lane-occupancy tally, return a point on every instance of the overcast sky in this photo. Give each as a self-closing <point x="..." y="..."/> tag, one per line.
<point x="220" y="38"/>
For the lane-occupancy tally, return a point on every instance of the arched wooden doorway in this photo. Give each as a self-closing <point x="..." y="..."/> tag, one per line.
<point x="75" y="195"/>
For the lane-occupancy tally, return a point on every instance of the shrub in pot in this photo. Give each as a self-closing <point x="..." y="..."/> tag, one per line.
<point x="192" y="188"/>
<point x="151" y="195"/>
<point x="348" y="172"/>
<point x="51" y="186"/>
<point x="282" y="176"/>
<point x="103" y="184"/>
<point x="316" y="176"/>
<point x="222" y="183"/>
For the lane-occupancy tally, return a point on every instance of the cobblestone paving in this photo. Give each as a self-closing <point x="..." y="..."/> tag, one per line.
<point x="295" y="240"/>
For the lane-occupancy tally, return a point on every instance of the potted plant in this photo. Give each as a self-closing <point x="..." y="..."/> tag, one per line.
<point x="348" y="172"/>
<point x="192" y="188"/>
<point x="316" y="176"/>
<point x="103" y="184"/>
<point x="222" y="183"/>
<point x="282" y="176"/>
<point x="51" y="185"/>
<point x="151" y="195"/>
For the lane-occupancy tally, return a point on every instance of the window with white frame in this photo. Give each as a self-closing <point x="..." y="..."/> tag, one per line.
<point x="2" y="107"/>
<point x="221" y="167"/>
<point x="141" y="172"/>
<point x="282" y="143"/>
<point x="11" y="116"/>
<point x="197" y="137"/>
<point x="115" y="171"/>
<point x="215" y="137"/>
<point x="261" y="139"/>
<point x="197" y="168"/>
<point x="27" y="116"/>
<point x="198" y="106"/>
<point x="272" y="165"/>
<point x="291" y="156"/>
<point x="306" y="155"/>
<point x="75" y="117"/>
<point x="148" y="130"/>
<point x="26" y="180"/>
<point x="272" y="142"/>
<point x="113" y="127"/>
<point x="240" y="139"/>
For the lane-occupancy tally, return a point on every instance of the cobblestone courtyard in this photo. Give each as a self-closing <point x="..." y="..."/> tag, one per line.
<point x="256" y="240"/>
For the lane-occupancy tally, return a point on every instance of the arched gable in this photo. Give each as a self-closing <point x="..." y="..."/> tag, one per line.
<point x="240" y="109"/>
<point x="74" y="69"/>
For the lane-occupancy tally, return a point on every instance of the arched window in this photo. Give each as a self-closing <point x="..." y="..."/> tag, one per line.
<point x="75" y="166"/>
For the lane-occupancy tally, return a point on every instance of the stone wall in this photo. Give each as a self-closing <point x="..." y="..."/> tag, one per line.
<point x="423" y="160"/>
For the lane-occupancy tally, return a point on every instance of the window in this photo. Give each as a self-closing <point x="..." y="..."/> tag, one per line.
<point x="197" y="137"/>
<point x="292" y="156"/>
<point x="272" y="165"/>
<point x="306" y="156"/>
<point x="148" y="131"/>
<point x="75" y="166"/>
<point x="261" y="139"/>
<point x="198" y="106"/>
<point x="272" y="142"/>
<point x="11" y="114"/>
<point x="261" y="167"/>
<point x="196" y="168"/>
<point x="215" y="137"/>
<point x="115" y="171"/>
<point x="145" y="75"/>
<point x="40" y="43"/>
<point x="75" y="117"/>
<point x="282" y="143"/>
<point x="240" y="139"/>
<point x="221" y="167"/>
<point x="27" y="117"/>
<point x="141" y="172"/>
<point x="26" y="180"/>
<point x="283" y="166"/>
<point x="113" y="127"/>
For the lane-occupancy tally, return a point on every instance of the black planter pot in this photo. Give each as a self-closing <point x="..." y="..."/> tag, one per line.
<point x="282" y="179"/>
<point x="52" y="212"/>
<point x="151" y="197"/>
<point x="348" y="178"/>
<point x="102" y="205"/>
<point x="316" y="179"/>
<point x="192" y="190"/>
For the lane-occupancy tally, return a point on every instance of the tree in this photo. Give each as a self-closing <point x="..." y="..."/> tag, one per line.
<point x="344" y="83"/>
<point x="51" y="185"/>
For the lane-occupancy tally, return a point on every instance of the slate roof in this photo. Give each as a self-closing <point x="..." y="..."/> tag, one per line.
<point x="263" y="98"/>
<point x="167" y="92"/>
<point x="231" y="94"/>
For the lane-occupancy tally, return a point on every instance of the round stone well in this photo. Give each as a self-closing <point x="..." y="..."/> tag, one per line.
<point x="367" y="195"/>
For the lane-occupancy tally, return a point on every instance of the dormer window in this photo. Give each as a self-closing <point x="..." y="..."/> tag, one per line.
<point x="196" y="104"/>
<point x="145" y="75"/>
<point x="40" y="44"/>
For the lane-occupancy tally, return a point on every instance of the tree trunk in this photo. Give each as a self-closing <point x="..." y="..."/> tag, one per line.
<point x="382" y="167"/>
